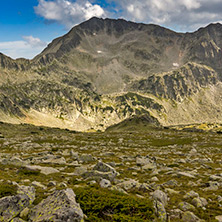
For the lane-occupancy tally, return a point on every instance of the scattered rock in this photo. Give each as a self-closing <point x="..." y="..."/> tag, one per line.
<point x="159" y="195"/>
<point x="149" y="166"/>
<point x="189" y="217"/>
<point x="103" y="167"/>
<point x="193" y="151"/>
<point x="199" y="202"/>
<point x="63" y="185"/>
<point x="219" y="218"/>
<point x="171" y="191"/>
<point x="43" y="170"/>
<point x="55" y="160"/>
<point x="101" y="171"/>
<point x="185" y="174"/>
<point x="86" y="158"/>
<point x="143" y="160"/>
<point x="52" y="184"/>
<point x="175" y="215"/>
<point x="215" y="177"/>
<point x="129" y="185"/>
<point x="38" y="184"/>
<point x="191" y="194"/>
<point x="212" y="185"/>
<point x="154" y="179"/>
<point x="80" y="170"/>
<point x="219" y="198"/>
<point x="184" y="206"/>
<point x="105" y="183"/>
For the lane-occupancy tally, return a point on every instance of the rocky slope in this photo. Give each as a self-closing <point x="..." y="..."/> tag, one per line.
<point x="51" y="174"/>
<point x="105" y="71"/>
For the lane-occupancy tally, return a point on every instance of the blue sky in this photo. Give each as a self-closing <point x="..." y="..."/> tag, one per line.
<point x="27" y="26"/>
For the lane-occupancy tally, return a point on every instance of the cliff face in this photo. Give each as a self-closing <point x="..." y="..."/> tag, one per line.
<point x="105" y="71"/>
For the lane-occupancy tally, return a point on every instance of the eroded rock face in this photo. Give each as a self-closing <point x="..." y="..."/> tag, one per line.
<point x="11" y="206"/>
<point x="60" y="206"/>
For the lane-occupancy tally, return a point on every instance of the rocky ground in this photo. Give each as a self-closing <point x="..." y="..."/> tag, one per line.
<point x="156" y="175"/>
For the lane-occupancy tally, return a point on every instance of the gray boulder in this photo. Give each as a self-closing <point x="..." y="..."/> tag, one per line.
<point x="60" y="206"/>
<point x="101" y="171"/>
<point x="191" y="194"/>
<point x="86" y="158"/>
<point x="105" y="183"/>
<point x="11" y="206"/>
<point x="189" y="217"/>
<point x="184" y="206"/>
<point x="43" y="170"/>
<point x="160" y="196"/>
<point x="129" y="185"/>
<point x="103" y="167"/>
<point x="199" y="202"/>
<point x="144" y="160"/>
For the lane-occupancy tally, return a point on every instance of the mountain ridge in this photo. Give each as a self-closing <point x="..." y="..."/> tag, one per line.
<point x="79" y="78"/>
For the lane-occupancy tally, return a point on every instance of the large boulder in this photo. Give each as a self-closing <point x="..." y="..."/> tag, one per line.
<point x="11" y="206"/>
<point x="60" y="206"/>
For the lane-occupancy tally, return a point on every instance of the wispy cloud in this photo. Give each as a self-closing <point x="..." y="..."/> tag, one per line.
<point x="27" y="48"/>
<point x="67" y="12"/>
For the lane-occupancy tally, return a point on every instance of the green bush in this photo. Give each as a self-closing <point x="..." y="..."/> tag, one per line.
<point x="28" y="172"/>
<point x="104" y="205"/>
<point x="7" y="190"/>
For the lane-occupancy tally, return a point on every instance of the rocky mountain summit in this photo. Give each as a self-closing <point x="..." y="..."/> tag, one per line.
<point x="105" y="71"/>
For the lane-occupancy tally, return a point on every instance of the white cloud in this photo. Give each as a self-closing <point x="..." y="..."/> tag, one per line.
<point x="183" y="15"/>
<point x="34" y="42"/>
<point x="28" y="48"/>
<point x="67" y="12"/>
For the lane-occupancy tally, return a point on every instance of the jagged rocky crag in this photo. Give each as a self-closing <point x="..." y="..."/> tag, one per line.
<point x="105" y="71"/>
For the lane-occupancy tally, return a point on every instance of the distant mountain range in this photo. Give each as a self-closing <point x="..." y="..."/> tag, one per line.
<point x="106" y="71"/>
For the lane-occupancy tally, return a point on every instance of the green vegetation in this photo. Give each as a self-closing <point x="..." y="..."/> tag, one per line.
<point x="27" y="172"/>
<point x="104" y="205"/>
<point x="7" y="190"/>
